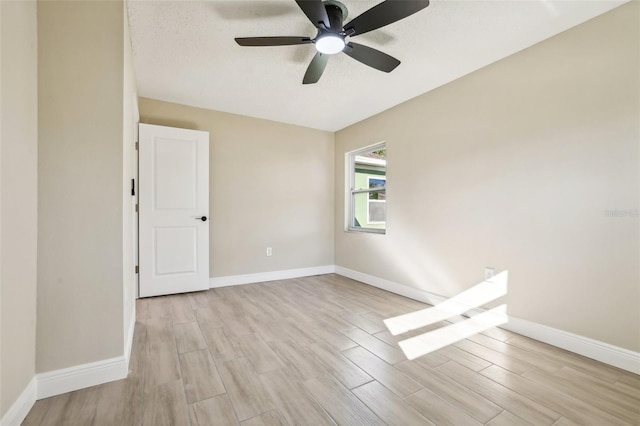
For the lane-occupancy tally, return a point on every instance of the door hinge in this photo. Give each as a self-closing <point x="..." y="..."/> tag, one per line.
<point x="137" y="146"/>
<point x="137" y="269"/>
<point x="136" y="208"/>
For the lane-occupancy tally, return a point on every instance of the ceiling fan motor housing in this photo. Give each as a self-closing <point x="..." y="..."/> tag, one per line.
<point x="337" y="13"/>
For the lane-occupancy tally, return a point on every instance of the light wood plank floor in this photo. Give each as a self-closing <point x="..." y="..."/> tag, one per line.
<point x="315" y="351"/>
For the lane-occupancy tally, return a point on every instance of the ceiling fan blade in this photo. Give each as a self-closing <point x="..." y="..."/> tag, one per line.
<point x="385" y="13"/>
<point x="315" y="11"/>
<point x="316" y="68"/>
<point x="272" y="41"/>
<point x="372" y="57"/>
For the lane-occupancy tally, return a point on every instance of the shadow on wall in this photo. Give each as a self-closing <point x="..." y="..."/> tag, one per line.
<point x="472" y="298"/>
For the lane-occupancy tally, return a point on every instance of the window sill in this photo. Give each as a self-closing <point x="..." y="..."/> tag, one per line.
<point x="366" y="230"/>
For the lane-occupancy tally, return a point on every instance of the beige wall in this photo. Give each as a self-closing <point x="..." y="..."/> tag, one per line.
<point x="513" y="167"/>
<point x="271" y="184"/>
<point x="80" y="183"/>
<point x="18" y="198"/>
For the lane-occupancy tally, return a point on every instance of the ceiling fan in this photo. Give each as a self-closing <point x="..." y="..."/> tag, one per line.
<point x="328" y="17"/>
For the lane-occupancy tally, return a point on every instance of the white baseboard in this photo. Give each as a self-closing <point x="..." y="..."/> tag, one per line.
<point x="393" y="287"/>
<point x="91" y="374"/>
<point x="269" y="276"/>
<point x="56" y="382"/>
<point x="19" y="410"/>
<point x="81" y="376"/>
<point x="594" y="349"/>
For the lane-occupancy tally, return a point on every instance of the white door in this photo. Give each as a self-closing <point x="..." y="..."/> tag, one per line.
<point x="174" y="210"/>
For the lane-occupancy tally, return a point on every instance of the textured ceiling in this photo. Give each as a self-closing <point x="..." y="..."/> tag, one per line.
<point x="184" y="52"/>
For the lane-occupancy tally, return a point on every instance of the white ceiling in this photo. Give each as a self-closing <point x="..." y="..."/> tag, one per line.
<point x="184" y="52"/>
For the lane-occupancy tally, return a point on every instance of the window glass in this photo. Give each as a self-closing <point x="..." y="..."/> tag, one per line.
<point x="367" y="187"/>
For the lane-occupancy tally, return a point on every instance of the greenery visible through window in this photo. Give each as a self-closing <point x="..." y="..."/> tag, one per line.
<point x="367" y="189"/>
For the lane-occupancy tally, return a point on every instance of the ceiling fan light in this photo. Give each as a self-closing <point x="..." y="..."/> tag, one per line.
<point x="330" y="44"/>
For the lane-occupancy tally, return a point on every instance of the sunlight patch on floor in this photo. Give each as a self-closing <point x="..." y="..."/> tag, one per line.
<point x="472" y="298"/>
<point x="437" y="339"/>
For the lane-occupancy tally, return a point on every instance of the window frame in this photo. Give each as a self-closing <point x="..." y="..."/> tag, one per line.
<point x="350" y="192"/>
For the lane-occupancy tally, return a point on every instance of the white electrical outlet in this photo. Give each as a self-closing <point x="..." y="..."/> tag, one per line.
<point x="269" y="251"/>
<point x="489" y="273"/>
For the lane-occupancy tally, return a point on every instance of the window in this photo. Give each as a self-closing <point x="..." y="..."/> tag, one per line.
<point x="367" y="189"/>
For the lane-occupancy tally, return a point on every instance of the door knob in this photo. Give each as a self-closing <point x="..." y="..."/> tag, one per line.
<point x="203" y="218"/>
